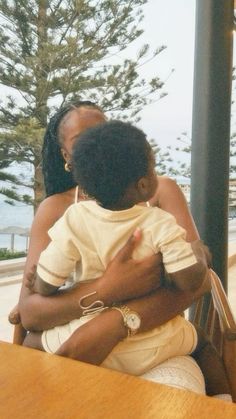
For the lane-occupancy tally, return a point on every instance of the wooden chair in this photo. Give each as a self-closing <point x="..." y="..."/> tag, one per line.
<point x="214" y="316"/>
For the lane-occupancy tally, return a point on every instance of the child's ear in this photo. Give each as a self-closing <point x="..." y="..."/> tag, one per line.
<point x="143" y="187"/>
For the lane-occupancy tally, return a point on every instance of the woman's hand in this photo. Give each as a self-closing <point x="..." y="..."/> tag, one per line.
<point x="30" y="278"/>
<point x="126" y="278"/>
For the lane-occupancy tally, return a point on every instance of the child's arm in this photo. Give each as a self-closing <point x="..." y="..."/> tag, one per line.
<point x="192" y="277"/>
<point x="58" y="260"/>
<point x="42" y="287"/>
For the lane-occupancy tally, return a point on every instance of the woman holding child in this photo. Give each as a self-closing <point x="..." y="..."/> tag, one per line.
<point x="123" y="279"/>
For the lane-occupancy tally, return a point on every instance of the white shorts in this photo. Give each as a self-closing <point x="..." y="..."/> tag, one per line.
<point x="52" y="339"/>
<point x="138" y="354"/>
<point x="145" y="351"/>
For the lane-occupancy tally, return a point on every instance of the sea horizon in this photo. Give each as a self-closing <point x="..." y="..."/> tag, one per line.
<point x="18" y="215"/>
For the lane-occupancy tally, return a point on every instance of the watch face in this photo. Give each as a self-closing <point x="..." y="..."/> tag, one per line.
<point x="133" y="321"/>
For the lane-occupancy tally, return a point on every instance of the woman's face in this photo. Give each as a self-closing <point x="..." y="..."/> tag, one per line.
<point x="75" y="122"/>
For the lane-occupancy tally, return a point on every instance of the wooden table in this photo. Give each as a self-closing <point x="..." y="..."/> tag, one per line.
<point x="38" y="385"/>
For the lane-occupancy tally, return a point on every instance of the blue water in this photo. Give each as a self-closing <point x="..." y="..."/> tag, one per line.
<point x="19" y="215"/>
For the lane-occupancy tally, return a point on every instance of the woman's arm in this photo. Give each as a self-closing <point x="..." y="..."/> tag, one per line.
<point x="170" y="198"/>
<point x="94" y="341"/>
<point x="36" y="310"/>
<point x="123" y="279"/>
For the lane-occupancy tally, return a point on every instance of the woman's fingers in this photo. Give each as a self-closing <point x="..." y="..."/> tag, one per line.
<point x="127" y="278"/>
<point x="125" y="253"/>
<point x="30" y="277"/>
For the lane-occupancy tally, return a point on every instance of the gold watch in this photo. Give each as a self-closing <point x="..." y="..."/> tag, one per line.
<point x="132" y="319"/>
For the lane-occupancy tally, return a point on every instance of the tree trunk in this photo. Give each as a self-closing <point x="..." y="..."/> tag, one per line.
<point x="39" y="192"/>
<point x="41" y="97"/>
<point x="42" y="70"/>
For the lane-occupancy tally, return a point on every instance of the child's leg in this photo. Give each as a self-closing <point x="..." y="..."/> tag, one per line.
<point x="51" y="340"/>
<point x="34" y="340"/>
<point x="211" y="365"/>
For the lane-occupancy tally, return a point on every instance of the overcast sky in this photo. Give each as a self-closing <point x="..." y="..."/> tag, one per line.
<point x="174" y="26"/>
<point x="171" y="24"/>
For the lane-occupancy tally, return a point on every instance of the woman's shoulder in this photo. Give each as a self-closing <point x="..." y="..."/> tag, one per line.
<point x="166" y="182"/>
<point x="166" y="187"/>
<point x="54" y="206"/>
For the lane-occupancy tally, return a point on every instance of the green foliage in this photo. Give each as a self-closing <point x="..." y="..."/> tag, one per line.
<point x="183" y="169"/>
<point x="54" y="51"/>
<point x="164" y="161"/>
<point x="7" y="254"/>
<point x="184" y="140"/>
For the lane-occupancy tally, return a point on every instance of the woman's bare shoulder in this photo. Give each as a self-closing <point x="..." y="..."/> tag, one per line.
<point x="48" y="212"/>
<point x="167" y="182"/>
<point x="166" y="187"/>
<point x="54" y="206"/>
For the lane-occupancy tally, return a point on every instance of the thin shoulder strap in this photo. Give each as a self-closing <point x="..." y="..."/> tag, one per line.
<point x="76" y="194"/>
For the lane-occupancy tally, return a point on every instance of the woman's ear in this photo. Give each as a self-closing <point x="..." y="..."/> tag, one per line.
<point x="65" y="155"/>
<point x="67" y="159"/>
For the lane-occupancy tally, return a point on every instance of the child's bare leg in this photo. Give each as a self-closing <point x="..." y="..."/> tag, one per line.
<point x="211" y="365"/>
<point x="34" y="340"/>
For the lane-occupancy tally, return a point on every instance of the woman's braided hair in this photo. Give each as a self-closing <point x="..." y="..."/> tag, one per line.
<point x="56" y="179"/>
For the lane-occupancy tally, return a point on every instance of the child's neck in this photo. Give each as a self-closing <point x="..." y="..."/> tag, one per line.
<point x="120" y="207"/>
<point x="125" y="202"/>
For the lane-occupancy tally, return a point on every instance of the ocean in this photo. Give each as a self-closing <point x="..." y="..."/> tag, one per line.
<point x="19" y="215"/>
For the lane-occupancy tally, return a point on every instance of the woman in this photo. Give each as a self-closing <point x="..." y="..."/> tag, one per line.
<point x="123" y="279"/>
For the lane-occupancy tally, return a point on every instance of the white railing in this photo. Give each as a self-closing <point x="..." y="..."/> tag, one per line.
<point x="11" y="270"/>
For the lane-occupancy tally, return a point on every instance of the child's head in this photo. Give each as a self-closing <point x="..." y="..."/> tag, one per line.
<point x="114" y="163"/>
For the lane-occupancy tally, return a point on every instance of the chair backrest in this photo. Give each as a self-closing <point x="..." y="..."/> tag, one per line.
<point x="213" y="313"/>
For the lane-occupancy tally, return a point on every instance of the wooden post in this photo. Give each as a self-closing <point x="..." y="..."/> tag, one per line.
<point x="211" y="126"/>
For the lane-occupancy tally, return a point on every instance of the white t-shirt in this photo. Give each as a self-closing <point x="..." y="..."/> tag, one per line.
<point x="87" y="237"/>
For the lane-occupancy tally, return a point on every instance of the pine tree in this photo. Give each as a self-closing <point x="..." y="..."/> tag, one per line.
<point x="53" y="51"/>
<point x="164" y="161"/>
